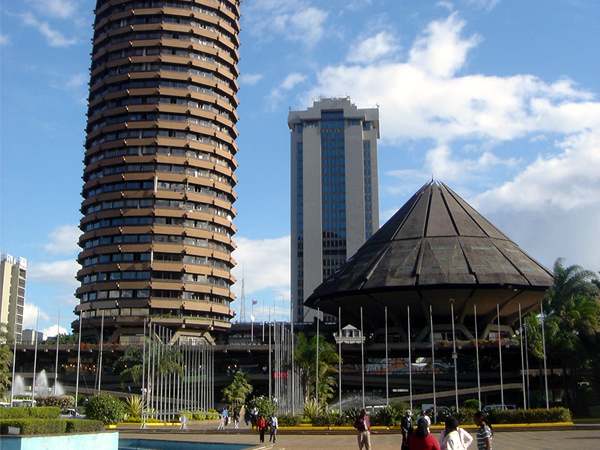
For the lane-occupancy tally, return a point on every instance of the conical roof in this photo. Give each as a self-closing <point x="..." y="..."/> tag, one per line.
<point x="434" y="248"/>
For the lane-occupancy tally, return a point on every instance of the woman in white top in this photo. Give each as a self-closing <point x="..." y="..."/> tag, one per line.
<point x="461" y="439"/>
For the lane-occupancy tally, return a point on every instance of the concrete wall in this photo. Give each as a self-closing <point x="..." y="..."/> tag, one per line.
<point x="103" y="441"/>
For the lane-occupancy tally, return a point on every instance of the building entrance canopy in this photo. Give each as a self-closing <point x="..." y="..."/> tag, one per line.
<point x="436" y="249"/>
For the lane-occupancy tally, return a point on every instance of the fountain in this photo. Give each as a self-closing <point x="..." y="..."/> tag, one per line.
<point x="41" y="386"/>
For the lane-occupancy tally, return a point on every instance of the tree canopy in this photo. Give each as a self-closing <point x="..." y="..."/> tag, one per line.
<point x="305" y="356"/>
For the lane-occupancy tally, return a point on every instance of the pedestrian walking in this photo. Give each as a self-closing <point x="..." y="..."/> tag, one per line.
<point x="274" y="427"/>
<point x="236" y="418"/>
<point x="485" y="433"/>
<point x="363" y="425"/>
<point x="221" y="422"/>
<point x="407" y="428"/>
<point x="225" y="414"/>
<point x="261" y="423"/>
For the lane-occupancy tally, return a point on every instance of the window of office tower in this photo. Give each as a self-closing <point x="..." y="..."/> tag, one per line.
<point x="333" y="179"/>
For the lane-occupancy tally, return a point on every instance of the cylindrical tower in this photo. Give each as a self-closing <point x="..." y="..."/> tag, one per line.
<point x="158" y="183"/>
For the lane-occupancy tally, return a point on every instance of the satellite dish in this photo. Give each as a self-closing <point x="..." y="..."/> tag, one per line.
<point x="252" y="318"/>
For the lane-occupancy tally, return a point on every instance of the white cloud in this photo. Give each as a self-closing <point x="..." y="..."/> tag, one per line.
<point x="263" y="264"/>
<point x="567" y="181"/>
<point x="54" y="38"/>
<point x="442" y="165"/>
<point x="30" y="315"/>
<point x="63" y="240"/>
<point x="4" y="40"/>
<point x="53" y="330"/>
<point x="288" y="83"/>
<point x="293" y="20"/>
<point x="381" y="46"/>
<point x="486" y="5"/>
<point x="441" y="51"/>
<point x="61" y="9"/>
<point x="424" y="99"/>
<point x="60" y="273"/>
<point x="250" y="79"/>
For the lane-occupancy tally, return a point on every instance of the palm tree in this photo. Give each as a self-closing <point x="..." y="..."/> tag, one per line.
<point x="236" y="393"/>
<point x="572" y="310"/>
<point x="305" y="356"/>
<point x="130" y="366"/>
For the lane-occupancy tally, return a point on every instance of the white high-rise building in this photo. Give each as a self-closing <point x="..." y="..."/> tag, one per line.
<point x="13" y="275"/>
<point x="334" y="191"/>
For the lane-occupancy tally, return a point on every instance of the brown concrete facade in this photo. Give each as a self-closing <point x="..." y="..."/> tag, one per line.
<point x="159" y="179"/>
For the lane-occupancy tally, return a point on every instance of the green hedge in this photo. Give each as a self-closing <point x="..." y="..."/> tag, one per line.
<point x="83" y="425"/>
<point x="38" y="412"/>
<point x="539" y="415"/>
<point x="34" y="426"/>
<point x="594" y="411"/>
<point x="62" y="401"/>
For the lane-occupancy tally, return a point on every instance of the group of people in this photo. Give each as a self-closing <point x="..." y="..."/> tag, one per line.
<point x="257" y="420"/>
<point x="262" y="424"/>
<point x="452" y="438"/>
<point x="224" y="419"/>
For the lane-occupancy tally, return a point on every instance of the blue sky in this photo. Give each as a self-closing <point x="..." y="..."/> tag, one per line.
<point x="498" y="99"/>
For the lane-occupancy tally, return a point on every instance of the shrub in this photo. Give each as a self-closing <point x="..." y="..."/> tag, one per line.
<point x="352" y="414"/>
<point x="106" y="408"/>
<point x="134" y="405"/>
<point x="64" y="402"/>
<point x="471" y="403"/>
<point x="595" y="411"/>
<point x="326" y="419"/>
<point x="83" y="425"/>
<point x="31" y="426"/>
<point x="289" y="420"/>
<point x="265" y="406"/>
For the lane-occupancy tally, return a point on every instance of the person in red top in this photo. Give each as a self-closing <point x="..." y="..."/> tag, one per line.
<point x="363" y="425"/>
<point x="421" y="439"/>
<point x="261" y="423"/>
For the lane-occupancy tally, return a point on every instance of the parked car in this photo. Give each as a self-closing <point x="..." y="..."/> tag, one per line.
<point x="72" y="414"/>
<point x="489" y="407"/>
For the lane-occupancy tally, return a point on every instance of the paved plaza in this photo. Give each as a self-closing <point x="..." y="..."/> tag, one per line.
<point x="580" y="438"/>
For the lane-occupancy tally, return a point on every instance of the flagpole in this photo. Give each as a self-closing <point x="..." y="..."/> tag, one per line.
<point x="454" y="355"/>
<point x="477" y="353"/>
<point x="57" y="342"/>
<point x="409" y="360"/>
<point x="362" y="356"/>
<point x="78" y="361"/>
<point x="387" y="362"/>
<point x="432" y="363"/>
<point x="522" y="359"/>
<point x="37" y="322"/>
<point x="500" y="350"/>
<point x="340" y="358"/>
<point x="317" y="367"/>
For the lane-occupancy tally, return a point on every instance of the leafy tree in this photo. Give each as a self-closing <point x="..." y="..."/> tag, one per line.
<point x="66" y="339"/>
<point x="6" y="358"/>
<point x="130" y="366"/>
<point x="305" y="356"/>
<point x="265" y="406"/>
<point x="236" y="393"/>
<point x="571" y="321"/>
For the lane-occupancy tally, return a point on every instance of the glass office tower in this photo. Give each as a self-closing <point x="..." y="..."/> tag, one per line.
<point x="158" y="183"/>
<point x="335" y="197"/>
